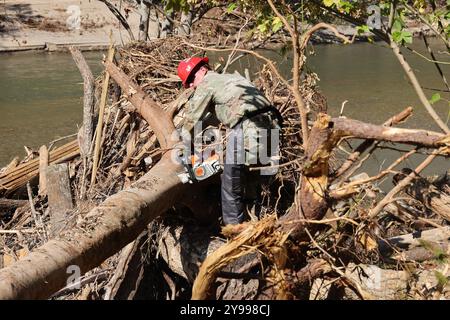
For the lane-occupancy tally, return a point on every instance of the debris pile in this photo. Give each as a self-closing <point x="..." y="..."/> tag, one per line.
<point x="350" y="253"/>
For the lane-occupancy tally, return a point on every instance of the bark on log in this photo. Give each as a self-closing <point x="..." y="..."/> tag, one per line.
<point x="357" y="129"/>
<point x="365" y="145"/>
<point x="59" y="196"/>
<point x="314" y="182"/>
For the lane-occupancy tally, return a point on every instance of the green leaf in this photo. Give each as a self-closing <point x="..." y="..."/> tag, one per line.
<point x="407" y="36"/>
<point x="402" y="37"/>
<point x="277" y="24"/>
<point x="363" y="29"/>
<point x="329" y="3"/>
<point x="231" y="7"/>
<point x="397" y="26"/>
<point x="262" y="27"/>
<point x="435" y="98"/>
<point x="397" y="36"/>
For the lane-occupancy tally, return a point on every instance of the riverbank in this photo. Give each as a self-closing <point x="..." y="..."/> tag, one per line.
<point x="56" y="25"/>
<point x="53" y="26"/>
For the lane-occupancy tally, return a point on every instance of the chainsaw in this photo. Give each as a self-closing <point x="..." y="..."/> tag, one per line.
<point x="196" y="170"/>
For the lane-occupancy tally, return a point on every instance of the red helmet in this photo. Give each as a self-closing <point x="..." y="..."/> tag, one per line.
<point x="188" y="66"/>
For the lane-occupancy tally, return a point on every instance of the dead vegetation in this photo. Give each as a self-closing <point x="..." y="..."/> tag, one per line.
<point x="321" y="235"/>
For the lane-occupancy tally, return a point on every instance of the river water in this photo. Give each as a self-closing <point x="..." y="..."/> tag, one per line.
<point x="41" y="93"/>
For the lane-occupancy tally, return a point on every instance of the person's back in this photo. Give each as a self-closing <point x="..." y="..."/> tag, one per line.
<point x="232" y="95"/>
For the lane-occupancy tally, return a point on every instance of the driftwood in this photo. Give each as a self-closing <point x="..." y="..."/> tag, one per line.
<point x="370" y="282"/>
<point x="185" y="248"/>
<point x="43" y="164"/>
<point x="129" y="272"/>
<point x="12" y="180"/>
<point x="88" y="100"/>
<point x="434" y="197"/>
<point x="101" y="112"/>
<point x="59" y="195"/>
<point x="440" y="236"/>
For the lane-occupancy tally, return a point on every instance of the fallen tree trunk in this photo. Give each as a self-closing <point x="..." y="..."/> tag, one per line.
<point x="311" y="201"/>
<point x="115" y="223"/>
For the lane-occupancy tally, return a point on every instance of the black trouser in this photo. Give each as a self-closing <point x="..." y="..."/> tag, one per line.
<point x="239" y="185"/>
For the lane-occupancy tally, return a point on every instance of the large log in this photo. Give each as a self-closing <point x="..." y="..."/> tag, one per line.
<point x="109" y="227"/>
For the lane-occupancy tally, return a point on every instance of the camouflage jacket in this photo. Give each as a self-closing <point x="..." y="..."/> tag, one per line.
<point x="227" y="96"/>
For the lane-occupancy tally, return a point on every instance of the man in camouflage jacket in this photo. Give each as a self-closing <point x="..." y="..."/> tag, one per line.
<point x="247" y="114"/>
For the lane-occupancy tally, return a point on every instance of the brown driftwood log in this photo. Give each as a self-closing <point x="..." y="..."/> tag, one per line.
<point x="348" y="167"/>
<point x="43" y="165"/>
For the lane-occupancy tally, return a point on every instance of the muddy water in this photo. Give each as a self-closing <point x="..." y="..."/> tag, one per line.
<point x="41" y="93"/>
<point x="40" y="99"/>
